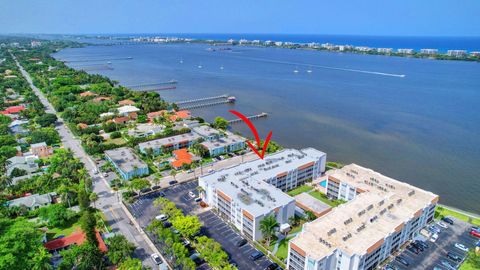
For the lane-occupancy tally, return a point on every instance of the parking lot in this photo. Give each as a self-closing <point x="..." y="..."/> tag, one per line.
<point x="144" y="211"/>
<point x="437" y="252"/>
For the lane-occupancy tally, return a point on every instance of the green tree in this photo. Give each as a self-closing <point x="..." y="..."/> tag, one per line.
<point x="187" y="225"/>
<point x="46" y="119"/>
<point x="473" y="259"/>
<point x="267" y="226"/>
<point x="20" y="244"/>
<point x="47" y="135"/>
<point x="167" y="207"/>
<point x="310" y="215"/>
<point x="130" y="264"/>
<point x="220" y="123"/>
<point x="56" y="215"/>
<point x="88" y="223"/>
<point x="119" y="249"/>
<point x="83" y="198"/>
<point x="139" y="183"/>
<point x="93" y="197"/>
<point x="83" y="257"/>
<point x="41" y="260"/>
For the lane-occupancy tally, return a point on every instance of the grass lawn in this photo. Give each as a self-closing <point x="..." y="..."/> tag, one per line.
<point x="299" y="190"/>
<point x="282" y="252"/>
<point x="442" y="212"/>
<point x="323" y="198"/>
<point x="467" y="266"/>
<point x="117" y="141"/>
<point x="67" y="230"/>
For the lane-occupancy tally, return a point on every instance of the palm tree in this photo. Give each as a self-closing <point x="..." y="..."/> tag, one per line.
<point x="41" y="260"/>
<point x="268" y="226"/>
<point x="173" y="173"/>
<point x="93" y="197"/>
<point x="193" y="166"/>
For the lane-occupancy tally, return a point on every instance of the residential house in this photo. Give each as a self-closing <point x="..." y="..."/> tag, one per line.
<point x="145" y="130"/>
<point x="88" y="94"/>
<point x="126" y="102"/>
<point x="127" y="163"/>
<point x="169" y="143"/>
<point x="26" y="163"/>
<point x="182" y="157"/>
<point x="127" y="110"/>
<point x="34" y="201"/>
<point x="76" y="238"/>
<point x="18" y="127"/>
<point x="41" y="150"/>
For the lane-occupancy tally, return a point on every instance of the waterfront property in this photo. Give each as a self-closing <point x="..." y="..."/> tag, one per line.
<point x="34" y="201"/>
<point x="126" y="162"/>
<point x="228" y="143"/>
<point x="145" y="130"/>
<point x="381" y="216"/>
<point x="246" y="193"/>
<point x="169" y="143"/>
<point x="217" y="142"/>
<point x="127" y="110"/>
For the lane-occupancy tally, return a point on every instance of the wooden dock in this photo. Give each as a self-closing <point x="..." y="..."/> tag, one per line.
<point x="251" y="117"/>
<point x="201" y="99"/>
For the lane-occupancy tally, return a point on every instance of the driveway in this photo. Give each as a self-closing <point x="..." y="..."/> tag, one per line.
<point x="432" y="257"/>
<point x="214" y="227"/>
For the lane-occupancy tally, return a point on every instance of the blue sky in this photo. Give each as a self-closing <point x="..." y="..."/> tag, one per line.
<point x="358" y="17"/>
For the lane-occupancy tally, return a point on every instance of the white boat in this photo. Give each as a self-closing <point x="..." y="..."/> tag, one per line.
<point x="309" y="71"/>
<point x="221" y="67"/>
<point x="181" y="61"/>
<point x="295" y="71"/>
<point x="199" y="66"/>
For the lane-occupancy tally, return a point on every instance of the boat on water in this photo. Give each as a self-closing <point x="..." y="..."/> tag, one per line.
<point x="200" y="66"/>
<point x="181" y="61"/>
<point x="221" y="67"/>
<point x="295" y="71"/>
<point x="309" y="71"/>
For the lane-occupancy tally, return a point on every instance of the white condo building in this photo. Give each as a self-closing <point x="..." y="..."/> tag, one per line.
<point x="381" y="215"/>
<point x="246" y="193"/>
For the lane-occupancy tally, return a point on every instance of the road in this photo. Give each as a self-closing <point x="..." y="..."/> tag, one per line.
<point x="108" y="201"/>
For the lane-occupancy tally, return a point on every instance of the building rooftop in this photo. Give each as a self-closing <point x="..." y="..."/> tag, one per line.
<point x="125" y="159"/>
<point x="127" y="109"/>
<point x="32" y="200"/>
<point x="381" y="208"/>
<point x="206" y="131"/>
<point x="169" y="140"/>
<point x="76" y="238"/>
<point x="229" y="139"/>
<point x="245" y="183"/>
<point x="309" y="203"/>
<point x="35" y="145"/>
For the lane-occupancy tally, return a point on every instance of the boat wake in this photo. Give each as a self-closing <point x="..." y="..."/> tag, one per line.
<point x="329" y="67"/>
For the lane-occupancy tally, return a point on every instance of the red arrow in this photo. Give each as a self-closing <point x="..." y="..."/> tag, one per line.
<point x="255" y="133"/>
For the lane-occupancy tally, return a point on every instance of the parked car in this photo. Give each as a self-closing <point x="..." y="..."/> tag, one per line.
<point x="461" y="247"/>
<point x="241" y="242"/>
<point x="454" y="257"/>
<point x="156" y="258"/>
<point x="413" y="249"/>
<point x="191" y="194"/>
<point x="477" y="229"/>
<point x="211" y="170"/>
<point x="422" y="243"/>
<point x="156" y="187"/>
<point x="475" y="233"/>
<point x="418" y="246"/>
<point x="447" y="264"/>
<point x="389" y="267"/>
<point x="162" y="194"/>
<point x="434" y="238"/>
<point x="145" y="190"/>
<point x="195" y="257"/>
<point x="448" y="220"/>
<point x="402" y="260"/>
<point x="173" y="182"/>
<point x="167" y="224"/>
<point x="272" y="266"/>
<point x="256" y="255"/>
<point x="434" y="229"/>
<point x="198" y="199"/>
<point x="162" y="217"/>
<point x="185" y="242"/>
<point x="442" y="224"/>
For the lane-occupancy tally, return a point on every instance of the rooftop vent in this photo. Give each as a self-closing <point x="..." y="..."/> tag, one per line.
<point x="362" y="227"/>
<point x="411" y="193"/>
<point x="332" y="231"/>
<point x="348" y="221"/>
<point x="346" y="237"/>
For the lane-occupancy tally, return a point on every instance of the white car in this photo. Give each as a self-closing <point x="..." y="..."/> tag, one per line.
<point x="161" y="217"/>
<point x="191" y="194"/>
<point x="434" y="238"/>
<point x="442" y="224"/>
<point x="461" y="247"/>
<point x="156" y="258"/>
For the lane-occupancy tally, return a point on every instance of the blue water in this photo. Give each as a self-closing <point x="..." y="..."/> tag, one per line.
<point x="422" y="128"/>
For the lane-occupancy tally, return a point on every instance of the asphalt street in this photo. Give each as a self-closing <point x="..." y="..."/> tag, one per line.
<point x="108" y="201"/>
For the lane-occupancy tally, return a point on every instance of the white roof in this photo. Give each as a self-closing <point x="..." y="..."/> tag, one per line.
<point x="17" y="123"/>
<point x="127" y="109"/>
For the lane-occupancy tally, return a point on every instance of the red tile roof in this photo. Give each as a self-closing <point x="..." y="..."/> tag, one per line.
<point x="121" y="120"/>
<point x="87" y="94"/>
<point x="180" y="114"/>
<point x="76" y="238"/>
<point x="13" y="109"/>
<point x="126" y="102"/>
<point x="182" y="157"/>
<point x="156" y="114"/>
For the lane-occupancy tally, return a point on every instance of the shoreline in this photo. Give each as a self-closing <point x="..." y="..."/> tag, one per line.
<point x="432" y="54"/>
